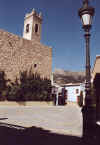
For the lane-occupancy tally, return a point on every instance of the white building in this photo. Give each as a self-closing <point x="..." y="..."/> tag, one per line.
<point x="74" y="90"/>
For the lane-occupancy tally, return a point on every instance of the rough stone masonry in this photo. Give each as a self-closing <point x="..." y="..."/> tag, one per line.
<point x="19" y="54"/>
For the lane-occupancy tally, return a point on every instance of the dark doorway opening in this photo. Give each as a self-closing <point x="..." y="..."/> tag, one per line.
<point x="97" y="93"/>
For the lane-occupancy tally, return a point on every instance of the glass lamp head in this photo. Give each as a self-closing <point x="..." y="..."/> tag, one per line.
<point x="86" y="14"/>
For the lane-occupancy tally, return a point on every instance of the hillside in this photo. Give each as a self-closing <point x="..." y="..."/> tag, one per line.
<point x="63" y="76"/>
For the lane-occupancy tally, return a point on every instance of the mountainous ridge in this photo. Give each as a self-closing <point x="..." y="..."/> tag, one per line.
<point x="61" y="76"/>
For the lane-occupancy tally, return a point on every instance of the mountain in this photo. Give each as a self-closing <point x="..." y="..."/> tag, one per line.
<point x="64" y="76"/>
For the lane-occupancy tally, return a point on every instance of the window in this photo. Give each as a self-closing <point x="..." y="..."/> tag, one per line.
<point x="77" y="91"/>
<point x="27" y="28"/>
<point x="36" y="28"/>
<point x="35" y="65"/>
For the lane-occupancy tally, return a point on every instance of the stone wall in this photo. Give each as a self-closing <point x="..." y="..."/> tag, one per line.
<point x="18" y="54"/>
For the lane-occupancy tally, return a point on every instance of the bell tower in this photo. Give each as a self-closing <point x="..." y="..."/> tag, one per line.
<point x="32" y="26"/>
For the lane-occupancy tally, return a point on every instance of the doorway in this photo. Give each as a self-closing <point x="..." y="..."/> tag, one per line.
<point x="97" y="93"/>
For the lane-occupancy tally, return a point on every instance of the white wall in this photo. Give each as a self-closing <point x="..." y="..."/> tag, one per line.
<point x="29" y="34"/>
<point x="71" y="92"/>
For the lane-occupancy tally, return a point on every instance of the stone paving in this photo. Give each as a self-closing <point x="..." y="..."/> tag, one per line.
<point x="60" y="119"/>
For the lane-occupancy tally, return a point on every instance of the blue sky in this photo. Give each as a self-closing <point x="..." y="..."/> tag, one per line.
<point x="61" y="28"/>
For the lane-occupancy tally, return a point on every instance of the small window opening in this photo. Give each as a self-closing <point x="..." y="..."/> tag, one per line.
<point x="36" y="28"/>
<point x="35" y="65"/>
<point x="27" y="28"/>
<point x="77" y="91"/>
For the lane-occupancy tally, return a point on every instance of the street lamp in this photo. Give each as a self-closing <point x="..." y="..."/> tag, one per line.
<point x="86" y="14"/>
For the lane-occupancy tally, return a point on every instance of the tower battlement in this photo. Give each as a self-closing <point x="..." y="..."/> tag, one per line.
<point x="33" y="13"/>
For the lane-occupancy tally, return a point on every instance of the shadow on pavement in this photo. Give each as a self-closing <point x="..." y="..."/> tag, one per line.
<point x="18" y="135"/>
<point x="3" y="118"/>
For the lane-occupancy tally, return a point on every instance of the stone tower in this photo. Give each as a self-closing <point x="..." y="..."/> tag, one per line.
<point x="32" y="26"/>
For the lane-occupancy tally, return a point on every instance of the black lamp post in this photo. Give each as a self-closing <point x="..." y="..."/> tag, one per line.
<point x="86" y="14"/>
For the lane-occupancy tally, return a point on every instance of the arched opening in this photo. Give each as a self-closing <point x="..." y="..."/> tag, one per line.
<point x="36" y="28"/>
<point x="35" y="65"/>
<point x="27" y="28"/>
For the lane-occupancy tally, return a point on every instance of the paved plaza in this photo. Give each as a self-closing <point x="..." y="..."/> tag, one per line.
<point x="59" y="119"/>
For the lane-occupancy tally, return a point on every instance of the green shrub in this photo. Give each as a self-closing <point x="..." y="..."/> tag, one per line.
<point x="30" y="87"/>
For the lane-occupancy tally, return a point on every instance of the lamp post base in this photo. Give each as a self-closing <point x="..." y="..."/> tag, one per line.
<point x="89" y="121"/>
